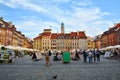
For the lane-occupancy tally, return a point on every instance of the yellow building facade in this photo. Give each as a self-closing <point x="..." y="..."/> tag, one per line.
<point x="60" y="41"/>
<point x="90" y="43"/>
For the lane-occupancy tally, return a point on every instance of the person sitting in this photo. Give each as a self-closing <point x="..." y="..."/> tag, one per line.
<point x="76" y="56"/>
<point x="34" y="57"/>
<point x="56" y="58"/>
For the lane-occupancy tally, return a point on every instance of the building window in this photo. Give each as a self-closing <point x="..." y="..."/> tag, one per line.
<point x="1" y="25"/>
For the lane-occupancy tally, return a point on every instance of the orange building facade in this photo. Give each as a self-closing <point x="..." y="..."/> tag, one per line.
<point x="10" y="36"/>
<point x="111" y="37"/>
<point x="97" y="42"/>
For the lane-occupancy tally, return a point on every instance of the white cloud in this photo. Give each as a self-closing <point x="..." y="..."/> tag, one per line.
<point x="88" y="18"/>
<point x="78" y="18"/>
<point x="11" y="3"/>
<point x="84" y="19"/>
<point x="89" y="14"/>
<point x="29" y="27"/>
<point x="82" y="3"/>
<point x="59" y="1"/>
<point x="32" y="27"/>
<point x="23" y="3"/>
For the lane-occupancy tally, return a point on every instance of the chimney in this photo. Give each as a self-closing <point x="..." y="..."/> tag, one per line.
<point x="77" y="32"/>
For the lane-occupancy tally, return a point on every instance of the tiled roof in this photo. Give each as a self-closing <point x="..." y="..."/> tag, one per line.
<point x="60" y="34"/>
<point x="67" y="34"/>
<point x="72" y="35"/>
<point x="54" y="36"/>
<point x="38" y="37"/>
<point x="82" y="34"/>
<point x="117" y="25"/>
<point x="46" y="34"/>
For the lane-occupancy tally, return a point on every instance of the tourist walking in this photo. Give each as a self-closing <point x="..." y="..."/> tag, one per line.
<point x="98" y="55"/>
<point x="47" y="57"/>
<point x="116" y="53"/>
<point x="84" y="53"/>
<point x="94" y="55"/>
<point x="90" y="55"/>
<point x="77" y="55"/>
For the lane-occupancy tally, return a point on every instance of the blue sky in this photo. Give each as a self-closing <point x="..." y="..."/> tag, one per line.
<point x="32" y="16"/>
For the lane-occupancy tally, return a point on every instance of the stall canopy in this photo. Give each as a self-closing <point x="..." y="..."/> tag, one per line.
<point x="117" y="46"/>
<point x="18" y="48"/>
<point x="111" y="47"/>
<point x="1" y="46"/>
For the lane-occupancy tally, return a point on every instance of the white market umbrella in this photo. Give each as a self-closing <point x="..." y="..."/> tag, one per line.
<point x="117" y="46"/>
<point x="10" y="47"/>
<point x="109" y="47"/>
<point x="1" y="46"/>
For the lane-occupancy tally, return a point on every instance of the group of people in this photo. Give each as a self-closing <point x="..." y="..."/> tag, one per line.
<point x="112" y="54"/>
<point x="92" y="55"/>
<point x="88" y="55"/>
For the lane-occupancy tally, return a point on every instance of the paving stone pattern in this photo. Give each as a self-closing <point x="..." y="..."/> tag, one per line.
<point x="26" y="69"/>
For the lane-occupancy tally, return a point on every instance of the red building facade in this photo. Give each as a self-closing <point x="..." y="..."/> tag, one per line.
<point x="111" y="37"/>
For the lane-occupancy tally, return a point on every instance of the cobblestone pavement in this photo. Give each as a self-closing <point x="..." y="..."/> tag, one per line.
<point x="26" y="69"/>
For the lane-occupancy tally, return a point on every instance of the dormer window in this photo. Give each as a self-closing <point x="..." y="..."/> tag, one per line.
<point x="1" y="25"/>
